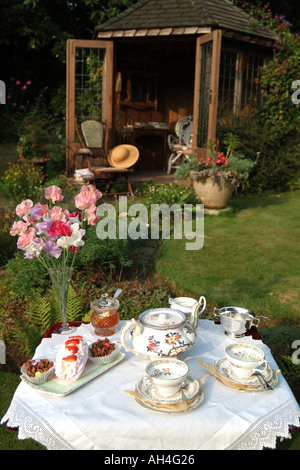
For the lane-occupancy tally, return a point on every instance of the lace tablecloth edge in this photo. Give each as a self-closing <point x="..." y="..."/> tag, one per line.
<point x="264" y="432"/>
<point x="31" y="426"/>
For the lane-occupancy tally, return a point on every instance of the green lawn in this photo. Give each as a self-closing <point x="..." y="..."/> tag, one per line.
<point x="8" y="439"/>
<point x="250" y="258"/>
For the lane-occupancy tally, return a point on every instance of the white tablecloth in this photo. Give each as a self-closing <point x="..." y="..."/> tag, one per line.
<point x="101" y="416"/>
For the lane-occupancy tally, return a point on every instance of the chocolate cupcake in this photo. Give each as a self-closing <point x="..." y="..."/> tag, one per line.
<point x="38" y="371"/>
<point x="103" y="351"/>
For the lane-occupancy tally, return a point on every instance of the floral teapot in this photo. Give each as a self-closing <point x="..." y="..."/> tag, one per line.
<point x="163" y="331"/>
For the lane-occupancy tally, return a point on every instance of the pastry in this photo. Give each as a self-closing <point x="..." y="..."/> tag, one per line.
<point x="71" y="359"/>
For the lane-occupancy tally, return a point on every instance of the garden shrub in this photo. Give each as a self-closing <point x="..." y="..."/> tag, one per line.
<point x="24" y="275"/>
<point x="8" y="244"/>
<point x="277" y="156"/>
<point x="173" y="193"/>
<point x="104" y="254"/>
<point x="21" y="180"/>
<point x="274" y="130"/>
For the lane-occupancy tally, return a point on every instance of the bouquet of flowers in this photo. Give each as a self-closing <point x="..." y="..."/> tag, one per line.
<point x="54" y="235"/>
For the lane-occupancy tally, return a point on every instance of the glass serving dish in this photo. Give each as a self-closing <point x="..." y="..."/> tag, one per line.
<point x="105" y="317"/>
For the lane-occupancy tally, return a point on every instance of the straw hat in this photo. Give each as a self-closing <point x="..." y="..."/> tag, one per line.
<point x="123" y="156"/>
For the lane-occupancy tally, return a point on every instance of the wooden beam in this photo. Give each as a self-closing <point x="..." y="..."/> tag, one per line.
<point x="214" y="84"/>
<point x="154" y="32"/>
<point x="70" y="104"/>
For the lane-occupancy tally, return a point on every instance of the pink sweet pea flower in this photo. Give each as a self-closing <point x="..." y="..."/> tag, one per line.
<point x="92" y="219"/>
<point x="43" y="208"/>
<point x="26" y="238"/>
<point x="24" y="207"/>
<point x="84" y="199"/>
<point x="18" y="228"/>
<point x="90" y="215"/>
<point x="54" y="193"/>
<point x="87" y="196"/>
<point x="57" y="213"/>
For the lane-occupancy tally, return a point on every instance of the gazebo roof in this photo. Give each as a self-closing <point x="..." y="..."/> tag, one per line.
<point x="177" y="17"/>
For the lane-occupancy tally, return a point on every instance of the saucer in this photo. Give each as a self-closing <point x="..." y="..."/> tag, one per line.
<point x="224" y="370"/>
<point x="190" y="389"/>
<point x="171" y="409"/>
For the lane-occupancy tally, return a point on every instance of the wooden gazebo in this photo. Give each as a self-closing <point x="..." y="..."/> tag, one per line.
<point x="159" y="61"/>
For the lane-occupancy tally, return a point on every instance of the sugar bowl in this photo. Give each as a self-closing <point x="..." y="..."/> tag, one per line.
<point x="105" y="317"/>
<point x="236" y="321"/>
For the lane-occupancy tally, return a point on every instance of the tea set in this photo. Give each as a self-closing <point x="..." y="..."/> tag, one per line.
<point x="163" y="334"/>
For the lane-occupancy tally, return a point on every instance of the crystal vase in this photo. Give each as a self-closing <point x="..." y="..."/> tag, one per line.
<point x="61" y="281"/>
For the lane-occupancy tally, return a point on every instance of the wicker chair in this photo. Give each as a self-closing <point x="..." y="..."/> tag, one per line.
<point x="180" y="144"/>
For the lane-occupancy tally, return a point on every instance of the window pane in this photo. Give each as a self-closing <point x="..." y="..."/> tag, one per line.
<point x="227" y="82"/>
<point x="88" y="83"/>
<point x="250" y="90"/>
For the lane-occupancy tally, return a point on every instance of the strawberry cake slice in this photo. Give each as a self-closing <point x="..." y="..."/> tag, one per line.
<point x="71" y="359"/>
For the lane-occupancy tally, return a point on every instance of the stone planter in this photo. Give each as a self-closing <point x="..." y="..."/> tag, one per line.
<point x="214" y="195"/>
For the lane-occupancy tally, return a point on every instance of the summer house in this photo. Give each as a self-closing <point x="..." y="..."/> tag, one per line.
<point x="159" y="61"/>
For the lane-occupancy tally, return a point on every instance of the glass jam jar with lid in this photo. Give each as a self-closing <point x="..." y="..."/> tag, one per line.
<point x="105" y="317"/>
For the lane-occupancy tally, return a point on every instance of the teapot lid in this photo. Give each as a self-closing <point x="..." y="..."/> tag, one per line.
<point x="162" y="318"/>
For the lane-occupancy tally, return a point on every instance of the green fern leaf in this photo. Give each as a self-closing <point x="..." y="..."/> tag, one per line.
<point x="74" y="306"/>
<point x="87" y="316"/>
<point x="40" y="312"/>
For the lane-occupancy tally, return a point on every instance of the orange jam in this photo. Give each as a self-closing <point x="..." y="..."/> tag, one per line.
<point x="105" y="317"/>
<point x="105" y="324"/>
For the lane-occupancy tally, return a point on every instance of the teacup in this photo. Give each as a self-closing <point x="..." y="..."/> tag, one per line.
<point x="166" y="375"/>
<point x="244" y="359"/>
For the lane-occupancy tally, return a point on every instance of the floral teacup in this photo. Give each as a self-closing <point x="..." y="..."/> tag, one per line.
<point x="167" y="375"/>
<point x="244" y="359"/>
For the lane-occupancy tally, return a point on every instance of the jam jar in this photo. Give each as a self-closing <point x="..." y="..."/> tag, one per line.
<point x="105" y="317"/>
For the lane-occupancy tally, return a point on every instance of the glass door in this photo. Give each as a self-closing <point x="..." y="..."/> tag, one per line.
<point x="208" y="49"/>
<point x="89" y="89"/>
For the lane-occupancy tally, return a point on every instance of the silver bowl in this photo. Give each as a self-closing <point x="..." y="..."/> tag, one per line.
<point x="236" y="321"/>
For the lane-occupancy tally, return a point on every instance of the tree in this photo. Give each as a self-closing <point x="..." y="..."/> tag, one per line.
<point x="33" y="35"/>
